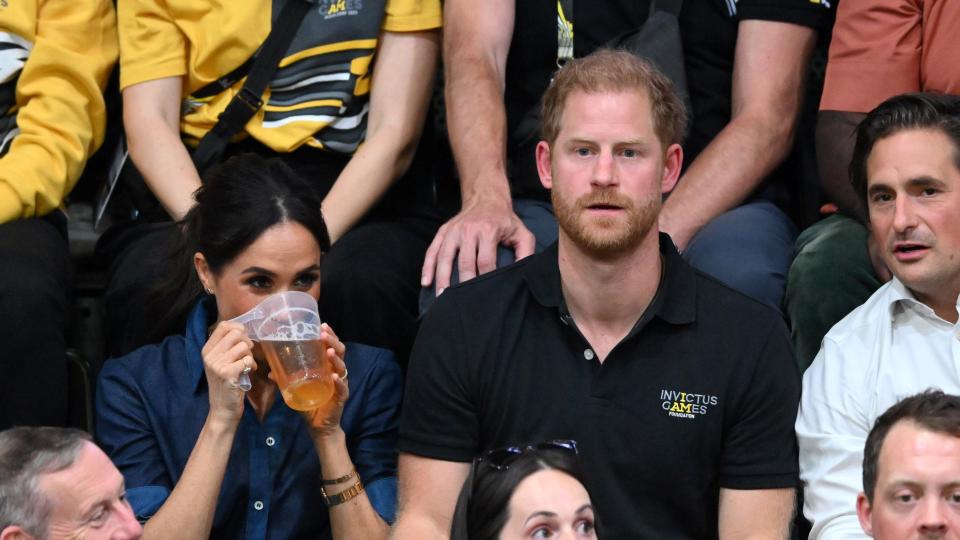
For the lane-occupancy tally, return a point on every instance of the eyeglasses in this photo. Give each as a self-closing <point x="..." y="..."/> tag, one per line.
<point x="501" y="458"/>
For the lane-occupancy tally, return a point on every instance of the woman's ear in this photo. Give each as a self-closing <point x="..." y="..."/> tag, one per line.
<point x="203" y="272"/>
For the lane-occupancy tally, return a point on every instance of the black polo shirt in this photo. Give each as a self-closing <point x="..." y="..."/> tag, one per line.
<point x="702" y="394"/>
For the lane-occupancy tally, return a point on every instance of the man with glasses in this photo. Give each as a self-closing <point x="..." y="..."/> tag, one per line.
<point x="678" y="390"/>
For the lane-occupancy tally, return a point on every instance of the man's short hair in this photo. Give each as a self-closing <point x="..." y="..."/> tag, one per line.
<point x="26" y="453"/>
<point x="922" y="110"/>
<point x="616" y="71"/>
<point x="931" y="410"/>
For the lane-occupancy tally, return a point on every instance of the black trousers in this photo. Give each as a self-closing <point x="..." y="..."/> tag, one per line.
<point x="35" y="287"/>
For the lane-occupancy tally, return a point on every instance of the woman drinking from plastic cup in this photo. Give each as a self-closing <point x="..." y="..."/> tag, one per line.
<point x="203" y="458"/>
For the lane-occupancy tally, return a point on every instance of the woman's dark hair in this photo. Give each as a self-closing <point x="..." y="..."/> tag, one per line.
<point x="239" y="200"/>
<point x="923" y="110"/>
<point x="483" y="505"/>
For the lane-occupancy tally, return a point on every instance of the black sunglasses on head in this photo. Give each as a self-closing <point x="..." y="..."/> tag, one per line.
<point x="500" y="458"/>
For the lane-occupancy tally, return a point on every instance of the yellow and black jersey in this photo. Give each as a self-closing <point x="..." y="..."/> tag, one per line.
<point x="55" y="57"/>
<point x="319" y="96"/>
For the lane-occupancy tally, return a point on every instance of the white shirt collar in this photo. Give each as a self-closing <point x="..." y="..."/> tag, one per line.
<point x="901" y="298"/>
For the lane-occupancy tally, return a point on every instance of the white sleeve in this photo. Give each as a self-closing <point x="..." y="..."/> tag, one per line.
<point x="831" y="431"/>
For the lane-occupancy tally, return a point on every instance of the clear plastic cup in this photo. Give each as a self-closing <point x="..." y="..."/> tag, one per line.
<point x="287" y="326"/>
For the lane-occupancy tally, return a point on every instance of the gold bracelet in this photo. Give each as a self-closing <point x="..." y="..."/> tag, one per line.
<point x="343" y="496"/>
<point x="335" y="481"/>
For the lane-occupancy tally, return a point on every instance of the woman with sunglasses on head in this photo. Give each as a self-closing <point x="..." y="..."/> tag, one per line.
<point x="203" y="459"/>
<point x="525" y="492"/>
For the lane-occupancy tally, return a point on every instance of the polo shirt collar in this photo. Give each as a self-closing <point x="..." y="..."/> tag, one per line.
<point x="674" y="302"/>
<point x="199" y="320"/>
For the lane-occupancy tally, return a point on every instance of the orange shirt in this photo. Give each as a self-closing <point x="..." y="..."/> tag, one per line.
<point x="882" y="48"/>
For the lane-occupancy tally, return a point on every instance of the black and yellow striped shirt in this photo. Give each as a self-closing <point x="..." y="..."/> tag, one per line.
<point x="319" y="96"/>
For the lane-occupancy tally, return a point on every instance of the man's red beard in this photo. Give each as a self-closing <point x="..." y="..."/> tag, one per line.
<point x="605" y="236"/>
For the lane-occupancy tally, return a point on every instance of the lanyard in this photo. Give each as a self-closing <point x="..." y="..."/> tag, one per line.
<point x="564" y="31"/>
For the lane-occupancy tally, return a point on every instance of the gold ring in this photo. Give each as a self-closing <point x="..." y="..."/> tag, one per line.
<point x="345" y="372"/>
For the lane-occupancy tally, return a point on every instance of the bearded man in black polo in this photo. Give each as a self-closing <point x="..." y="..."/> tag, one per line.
<point x="680" y="392"/>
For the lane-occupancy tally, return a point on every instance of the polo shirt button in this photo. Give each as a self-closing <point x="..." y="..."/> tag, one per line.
<point x="271" y="441"/>
<point x="588" y="354"/>
<point x="258" y="505"/>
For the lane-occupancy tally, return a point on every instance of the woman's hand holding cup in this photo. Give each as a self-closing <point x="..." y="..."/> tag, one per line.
<point x="227" y="353"/>
<point x="324" y="421"/>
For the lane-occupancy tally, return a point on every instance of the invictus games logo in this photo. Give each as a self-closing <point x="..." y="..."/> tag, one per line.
<point x="686" y="404"/>
<point x="338" y="8"/>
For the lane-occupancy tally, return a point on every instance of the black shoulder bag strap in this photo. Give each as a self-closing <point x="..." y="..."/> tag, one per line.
<point x="249" y="99"/>
<point x="140" y="203"/>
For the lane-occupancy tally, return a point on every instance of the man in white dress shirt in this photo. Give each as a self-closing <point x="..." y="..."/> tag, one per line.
<point x="904" y="339"/>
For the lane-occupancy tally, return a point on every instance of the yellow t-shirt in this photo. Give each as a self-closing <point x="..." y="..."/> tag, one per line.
<point x="55" y="57"/>
<point x="318" y="96"/>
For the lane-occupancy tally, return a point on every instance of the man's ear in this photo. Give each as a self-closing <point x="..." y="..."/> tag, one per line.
<point x="15" y="532"/>
<point x="543" y="164"/>
<point x="863" y="513"/>
<point x="203" y="272"/>
<point x="672" y="163"/>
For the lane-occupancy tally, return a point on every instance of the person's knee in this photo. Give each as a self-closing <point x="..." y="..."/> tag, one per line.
<point x="538" y="217"/>
<point x="349" y="278"/>
<point x="834" y="249"/>
<point x="746" y="269"/>
<point x="369" y="285"/>
<point x="377" y="262"/>
<point x="141" y="260"/>
<point x="830" y="276"/>
<point x="749" y="249"/>
<point x="371" y="261"/>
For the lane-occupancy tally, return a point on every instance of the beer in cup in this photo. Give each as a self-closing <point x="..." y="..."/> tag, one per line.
<point x="287" y="326"/>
